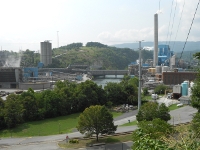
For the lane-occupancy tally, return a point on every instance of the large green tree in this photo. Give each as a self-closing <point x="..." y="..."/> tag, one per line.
<point x="13" y="111"/>
<point x="2" y="121"/>
<point x="96" y="120"/>
<point x="152" y="110"/>
<point x="30" y="105"/>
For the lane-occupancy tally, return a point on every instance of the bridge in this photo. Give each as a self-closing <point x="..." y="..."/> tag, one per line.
<point x="107" y="72"/>
<point x="91" y="72"/>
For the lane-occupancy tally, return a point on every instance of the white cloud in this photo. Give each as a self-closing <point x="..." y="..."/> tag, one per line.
<point x="126" y="35"/>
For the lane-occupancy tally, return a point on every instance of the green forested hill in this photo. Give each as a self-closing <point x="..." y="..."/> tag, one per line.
<point x="107" y="57"/>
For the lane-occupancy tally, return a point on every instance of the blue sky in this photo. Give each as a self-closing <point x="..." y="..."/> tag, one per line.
<point x="26" y="23"/>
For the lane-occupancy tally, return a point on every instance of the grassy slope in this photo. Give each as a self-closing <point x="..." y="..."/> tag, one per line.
<point x="58" y="125"/>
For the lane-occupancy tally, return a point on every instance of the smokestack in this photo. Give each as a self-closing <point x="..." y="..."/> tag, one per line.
<point x="155" y="59"/>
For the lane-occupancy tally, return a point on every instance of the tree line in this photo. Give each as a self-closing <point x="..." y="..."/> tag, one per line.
<point x="66" y="98"/>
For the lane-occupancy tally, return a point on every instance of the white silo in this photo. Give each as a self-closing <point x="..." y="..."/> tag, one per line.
<point x="165" y="68"/>
<point x="158" y="69"/>
<point x="173" y="62"/>
<point x="46" y="53"/>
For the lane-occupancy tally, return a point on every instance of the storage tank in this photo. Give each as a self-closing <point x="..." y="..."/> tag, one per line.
<point x="153" y="70"/>
<point x="177" y="89"/>
<point x="158" y="69"/>
<point x="46" y="53"/>
<point x="184" y="89"/>
<point x="165" y="68"/>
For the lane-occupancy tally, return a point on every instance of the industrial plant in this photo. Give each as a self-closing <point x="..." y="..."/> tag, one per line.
<point x="12" y="76"/>
<point x="165" y="68"/>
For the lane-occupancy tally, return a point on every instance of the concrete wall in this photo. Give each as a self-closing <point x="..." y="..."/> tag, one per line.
<point x="35" y="86"/>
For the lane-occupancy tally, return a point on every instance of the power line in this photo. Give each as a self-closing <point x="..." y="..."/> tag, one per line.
<point x="178" y="25"/>
<point x="189" y="30"/>
<point x="172" y="24"/>
<point x="169" y="21"/>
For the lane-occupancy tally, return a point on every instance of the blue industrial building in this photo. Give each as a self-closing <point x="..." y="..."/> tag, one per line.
<point x="30" y="72"/>
<point x="164" y="55"/>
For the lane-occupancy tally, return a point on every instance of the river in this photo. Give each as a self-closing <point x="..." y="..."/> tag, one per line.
<point x="108" y="78"/>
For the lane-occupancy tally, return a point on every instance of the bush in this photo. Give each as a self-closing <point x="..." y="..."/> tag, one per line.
<point x="73" y="141"/>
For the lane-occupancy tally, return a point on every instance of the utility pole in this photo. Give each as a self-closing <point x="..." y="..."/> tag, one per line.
<point x="58" y="39"/>
<point x="139" y="89"/>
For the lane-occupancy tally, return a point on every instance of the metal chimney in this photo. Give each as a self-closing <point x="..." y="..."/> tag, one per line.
<point x="155" y="59"/>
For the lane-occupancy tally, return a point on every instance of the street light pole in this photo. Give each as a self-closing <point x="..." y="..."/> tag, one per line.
<point x="139" y="89"/>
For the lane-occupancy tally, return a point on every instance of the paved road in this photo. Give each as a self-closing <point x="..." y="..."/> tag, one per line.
<point x="181" y="115"/>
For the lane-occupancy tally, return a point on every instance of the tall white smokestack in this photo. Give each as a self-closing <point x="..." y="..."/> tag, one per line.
<point x="155" y="59"/>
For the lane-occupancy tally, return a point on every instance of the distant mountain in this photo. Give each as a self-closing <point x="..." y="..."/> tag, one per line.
<point x="176" y="46"/>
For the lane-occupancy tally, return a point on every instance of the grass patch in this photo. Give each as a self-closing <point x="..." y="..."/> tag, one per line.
<point x="173" y="107"/>
<point x="133" y="123"/>
<point x="58" y="125"/>
<point x="116" y="114"/>
<point x="147" y="97"/>
<point x="87" y="142"/>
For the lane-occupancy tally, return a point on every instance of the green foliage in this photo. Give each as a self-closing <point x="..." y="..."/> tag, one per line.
<point x="105" y="56"/>
<point x="115" y="93"/>
<point x="145" y="91"/>
<point x="29" y="58"/>
<point x="124" y="92"/>
<point x="152" y="110"/>
<point x="73" y="141"/>
<point x="95" y="120"/>
<point x="109" y="104"/>
<point x="143" y="141"/>
<point x="195" y="97"/>
<point x="196" y="123"/>
<point x="95" y="44"/>
<point x="13" y="111"/>
<point x="72" y="46"/>
<point x="2" y="121"/>
<point x="160" y="89"/>
<point x="155" y="128"/>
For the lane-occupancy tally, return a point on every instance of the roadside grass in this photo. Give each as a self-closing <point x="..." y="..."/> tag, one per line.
<point x="53" y="126"/>
<point x="133" y="123"/>
<point x="174" y="106"/>
<point x="88" y="142"/>
<point x="116" y="114"/>
<point x="147" y="97"/>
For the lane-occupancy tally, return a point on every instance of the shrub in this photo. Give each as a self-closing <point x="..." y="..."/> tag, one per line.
<point x="73" y="141"/>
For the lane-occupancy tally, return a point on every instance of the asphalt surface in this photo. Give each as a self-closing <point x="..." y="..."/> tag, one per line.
<point x="181" y="115"/>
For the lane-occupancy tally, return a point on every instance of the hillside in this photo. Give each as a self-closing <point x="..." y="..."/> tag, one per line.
<point x="176" y="46"/>
<point x="106" y="57"/>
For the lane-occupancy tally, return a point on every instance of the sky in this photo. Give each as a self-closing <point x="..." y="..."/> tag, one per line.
<point x="26" y="23"/>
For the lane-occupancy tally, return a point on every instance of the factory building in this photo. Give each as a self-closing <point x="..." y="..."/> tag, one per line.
<point x="10" y="77"/>
<point x="173" y="78"/>
<point x="46" y="52"/>
<point x="164" y="55"/>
